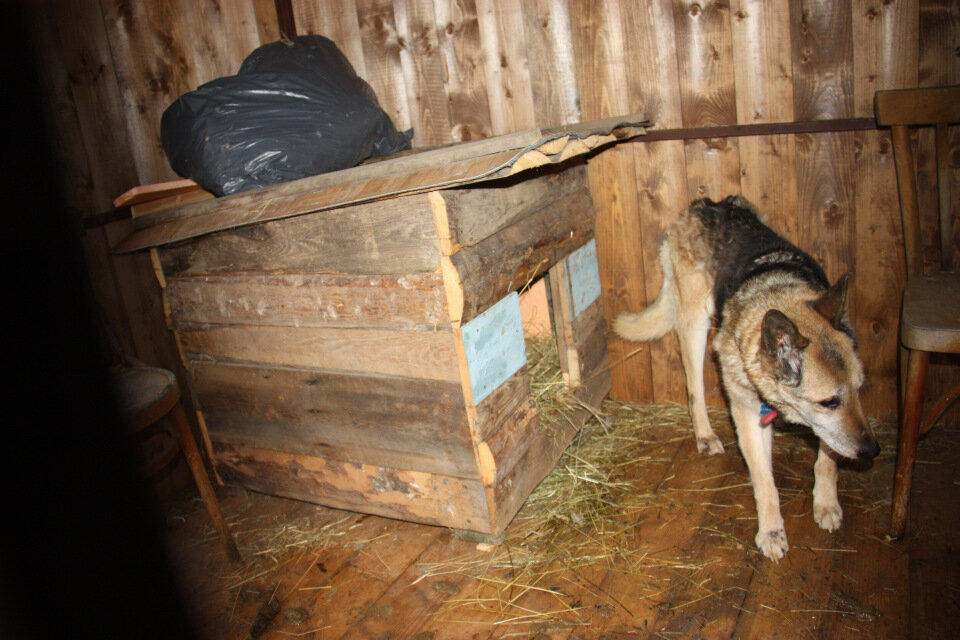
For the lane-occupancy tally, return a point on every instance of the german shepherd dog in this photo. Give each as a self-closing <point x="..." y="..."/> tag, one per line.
<point x="783" y="341"/>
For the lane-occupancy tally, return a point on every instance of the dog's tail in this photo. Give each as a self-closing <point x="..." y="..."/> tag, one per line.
<point x="656" y="320"/>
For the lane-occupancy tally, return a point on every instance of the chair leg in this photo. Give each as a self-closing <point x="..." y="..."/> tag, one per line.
<point x="917" y="362"/>
<point x="195" y="462"/>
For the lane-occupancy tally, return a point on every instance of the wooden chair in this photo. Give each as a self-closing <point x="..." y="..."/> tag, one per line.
<point x="930" y="312"/>
<point x="145" y="395"/>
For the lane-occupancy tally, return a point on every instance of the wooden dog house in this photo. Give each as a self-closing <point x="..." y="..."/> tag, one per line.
<point x="354" y="339"/>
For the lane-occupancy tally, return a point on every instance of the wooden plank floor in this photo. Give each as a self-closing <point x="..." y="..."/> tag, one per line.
<point x="693" y="570"/>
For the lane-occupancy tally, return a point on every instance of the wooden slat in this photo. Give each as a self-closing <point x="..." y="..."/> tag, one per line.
<point x="505" y="65"/>
<point x="408" y="353"/>
<point x="423" y="72"/>
<point x="161" y="190"/>
<point x="827" y="218"/>
<point x="402" y="423"/>
<point x="395" y="236"/>
<point x="886" y="52"/>
<point x="822" y="50"/>
<point x="460" y="45"/>
<point x="590" y="340"/>
<point x="878" y="259"/>
<point x="473" y="214"/>
<point x="265" y="12"/>
<point x="704" y="54"/>
<point x="603" y="52"/>
<point x="760" y="33"/>
<point x="395" y="493"/>
<point x="768" y="179"/>
<point x="496" y="408"/>
<point x="509" y="259"/>
<point x="412" y="301"/>
<point x="382" y="44"/>
<point x="550" y="59"/>
<point x="499" y="453"/>
<point x="939" y="22"/>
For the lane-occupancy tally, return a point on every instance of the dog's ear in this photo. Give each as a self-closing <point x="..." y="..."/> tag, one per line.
<point x="783" y="346"/>
<point x="832" y="305"/>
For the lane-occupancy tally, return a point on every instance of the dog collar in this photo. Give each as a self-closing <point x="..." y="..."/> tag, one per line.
<point x="767" y="413"/>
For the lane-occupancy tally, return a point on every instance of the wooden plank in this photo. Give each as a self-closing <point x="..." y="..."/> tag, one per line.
<point x="514" y="256"/>
<point x="460" y="46"/>
<point x="382" y="42"/>
<point x="268" y="27"/>
<point x="161" y="190"/>
<point x="411" y="600"/>
<point x="503" y="44"/>
<point x="826" y="201"/>
<point x="395" y="236"/>
<point x="553" y="81"/>
<point x="660" y="172"/>
<point x="494" y="347"/>
<point x="603" y="52"/>
<point x="473" y="214"/>
<point x="411" y="301"/>
<point x="661" y="180"/>
<point x="499" y="453"/>
<point x="821" y="39"/>
<point x="939" y="24"/>
<point x="705" y="53"/>
<point x="407" y="353"/>
<point x="562" y="315"/>
<point x="762" y="64"/>
<point x="886" y="55"/>
<point x="590" y="331"/>
<point x="357" y="573"/>
<point x="878" y="259"/>
<point x="423" y="72"/>
<point x="496" y="408"/>
<point x="768" y="179"/>
<point x="395" y="493"/>
<point x="403" y="423"/>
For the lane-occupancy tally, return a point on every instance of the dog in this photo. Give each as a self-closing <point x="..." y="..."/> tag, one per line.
<point x="784" y="341"/>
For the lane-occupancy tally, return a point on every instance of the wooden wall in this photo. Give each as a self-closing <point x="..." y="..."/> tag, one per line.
<point x="456" y="70"/>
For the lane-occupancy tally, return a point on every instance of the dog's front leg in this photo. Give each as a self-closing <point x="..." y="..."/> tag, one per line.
<point x="756" y="444"/>
<point x="826" y="506"/>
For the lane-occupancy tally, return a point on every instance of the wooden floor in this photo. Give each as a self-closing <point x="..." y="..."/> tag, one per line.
<point x="693" y="570"/>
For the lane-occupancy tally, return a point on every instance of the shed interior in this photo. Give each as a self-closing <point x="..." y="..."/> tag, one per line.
<point x="771" y="100"/>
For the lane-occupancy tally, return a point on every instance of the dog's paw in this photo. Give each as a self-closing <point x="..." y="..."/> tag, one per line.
<point x="710" y="445"/>
<point x="828" y="516"/>
<point x="773" y="544"/>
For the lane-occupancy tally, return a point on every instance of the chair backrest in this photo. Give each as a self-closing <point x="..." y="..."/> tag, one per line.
<point x="900" y="109"/>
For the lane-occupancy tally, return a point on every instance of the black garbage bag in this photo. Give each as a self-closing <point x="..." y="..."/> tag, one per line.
<point x="296" y="108"/>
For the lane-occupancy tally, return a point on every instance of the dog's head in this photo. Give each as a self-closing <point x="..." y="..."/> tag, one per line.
<point x="812" y="357"/>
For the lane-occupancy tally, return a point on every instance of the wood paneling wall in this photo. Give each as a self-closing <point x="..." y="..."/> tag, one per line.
<point x="456" y="70"/>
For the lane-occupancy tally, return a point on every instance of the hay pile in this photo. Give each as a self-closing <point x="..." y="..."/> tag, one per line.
<point x="584" y="513"/>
